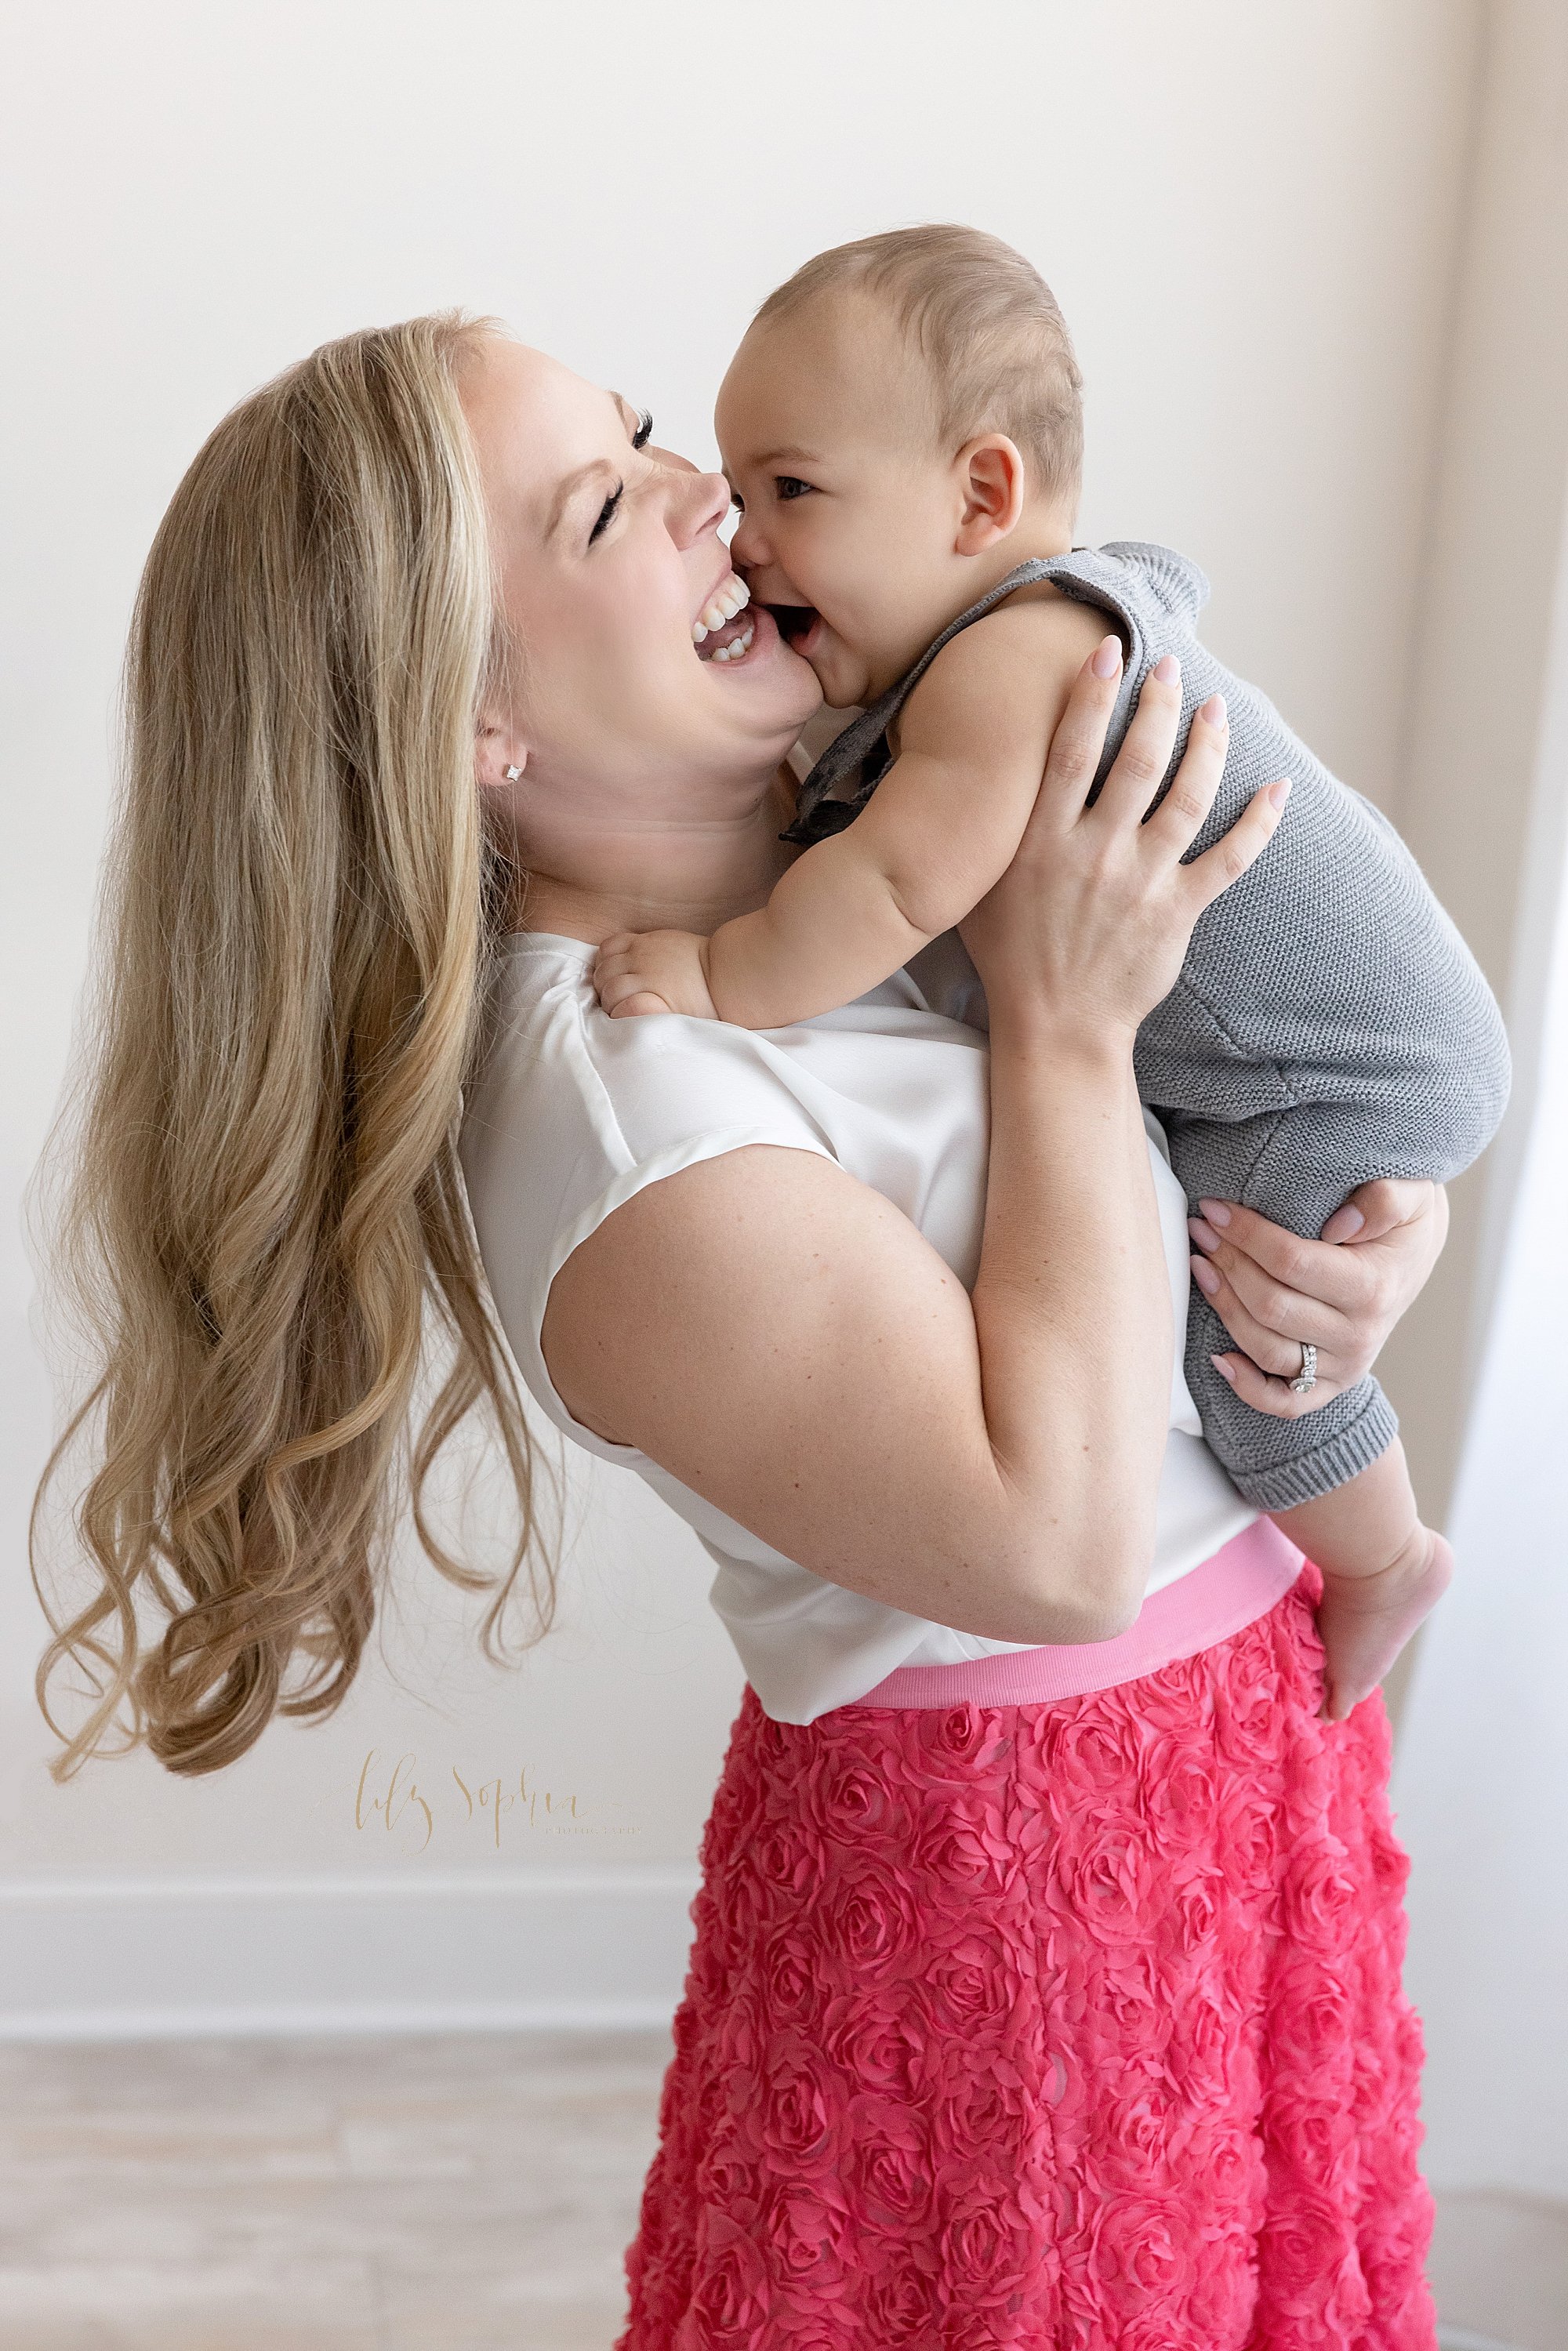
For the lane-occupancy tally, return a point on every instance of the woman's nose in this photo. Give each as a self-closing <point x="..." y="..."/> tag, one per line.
<point x="700" y="504"/>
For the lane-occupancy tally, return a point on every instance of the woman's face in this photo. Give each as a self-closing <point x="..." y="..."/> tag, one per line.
<point x="608" y="555"/>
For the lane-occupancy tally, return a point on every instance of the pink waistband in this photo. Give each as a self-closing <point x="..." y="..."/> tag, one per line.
<point x="1238" y="1585"/>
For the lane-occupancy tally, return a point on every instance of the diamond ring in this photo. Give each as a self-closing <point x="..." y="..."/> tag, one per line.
<point x="1306" y="1379"/>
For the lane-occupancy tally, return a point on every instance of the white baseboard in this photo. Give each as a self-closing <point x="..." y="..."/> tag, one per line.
<point x="122" y="1958"/>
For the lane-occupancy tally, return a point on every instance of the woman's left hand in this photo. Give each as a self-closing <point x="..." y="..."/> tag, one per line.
<point x="1344" y="1293"/>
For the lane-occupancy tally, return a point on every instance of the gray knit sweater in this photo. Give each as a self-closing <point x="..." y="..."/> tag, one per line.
<point x="1328" y="1026"/>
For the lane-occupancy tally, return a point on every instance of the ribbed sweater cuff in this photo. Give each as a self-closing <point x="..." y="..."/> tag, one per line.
<point x="1281" y="1487"/>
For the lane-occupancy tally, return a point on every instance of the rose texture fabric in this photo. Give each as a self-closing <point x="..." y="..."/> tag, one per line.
<point x="1069" y="2026"/>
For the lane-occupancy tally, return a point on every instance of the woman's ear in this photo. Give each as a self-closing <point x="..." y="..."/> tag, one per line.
<point x="992" y="485"/>
<point x="499" y="758"/>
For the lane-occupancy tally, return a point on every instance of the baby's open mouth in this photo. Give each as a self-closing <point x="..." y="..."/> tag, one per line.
<point x="795" y="621"/>
<point x="724" y="630"/>
<point x="801" y="626"/>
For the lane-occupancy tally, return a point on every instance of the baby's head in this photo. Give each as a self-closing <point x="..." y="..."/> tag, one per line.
<point x="901" y="426"/>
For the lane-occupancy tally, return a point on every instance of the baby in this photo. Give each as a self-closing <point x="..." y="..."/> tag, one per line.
<point x="901" y="430"/>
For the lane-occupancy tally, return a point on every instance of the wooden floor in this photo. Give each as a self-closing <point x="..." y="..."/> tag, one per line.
<point x="463" y="2192"/>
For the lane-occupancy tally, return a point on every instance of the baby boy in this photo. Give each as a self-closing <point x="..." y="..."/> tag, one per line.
<point x="902" y="429"/>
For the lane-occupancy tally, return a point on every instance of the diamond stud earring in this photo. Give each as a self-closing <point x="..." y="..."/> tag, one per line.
<point x="511" y="774"/>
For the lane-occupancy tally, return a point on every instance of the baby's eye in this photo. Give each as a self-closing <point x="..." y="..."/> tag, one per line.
<point x="789" y="485"/>
<point x="737" y="502"/>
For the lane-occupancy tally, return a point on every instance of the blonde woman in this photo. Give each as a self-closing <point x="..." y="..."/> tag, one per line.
<point x="1046" y="1978"/>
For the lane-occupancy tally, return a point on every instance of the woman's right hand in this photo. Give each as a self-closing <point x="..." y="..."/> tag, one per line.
<point x="1088" y="927"/>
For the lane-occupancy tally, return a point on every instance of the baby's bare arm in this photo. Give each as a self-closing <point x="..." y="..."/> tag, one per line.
<point x="937" y="832"/>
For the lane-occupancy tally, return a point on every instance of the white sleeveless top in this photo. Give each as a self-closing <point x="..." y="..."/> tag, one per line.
<point x="573" y="1113"/>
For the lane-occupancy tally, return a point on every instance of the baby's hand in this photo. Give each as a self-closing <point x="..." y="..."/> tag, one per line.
<point x="653" y="971"/>
<point x="1365" y="1621"/>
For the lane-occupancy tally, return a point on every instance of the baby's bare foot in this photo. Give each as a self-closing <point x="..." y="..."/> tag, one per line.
<point x="1366" y="1620"/>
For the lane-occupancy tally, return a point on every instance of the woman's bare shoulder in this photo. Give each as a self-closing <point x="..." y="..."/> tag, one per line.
<point x="782" y="1340"/>
<point x="722" y="1283"/>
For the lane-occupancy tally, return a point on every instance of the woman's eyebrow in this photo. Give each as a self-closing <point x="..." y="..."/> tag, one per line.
<point x="570" y="488"/>
<point x="574" y="481"/>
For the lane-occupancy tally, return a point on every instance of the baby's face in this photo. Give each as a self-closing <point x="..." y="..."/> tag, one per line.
<point x="849" y="508"/>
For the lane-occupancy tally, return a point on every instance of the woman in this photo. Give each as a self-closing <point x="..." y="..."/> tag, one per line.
<point x="1058" y="2002"/>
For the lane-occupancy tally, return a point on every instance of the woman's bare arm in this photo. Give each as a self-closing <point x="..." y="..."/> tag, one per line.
<point x="785" y="1342"/>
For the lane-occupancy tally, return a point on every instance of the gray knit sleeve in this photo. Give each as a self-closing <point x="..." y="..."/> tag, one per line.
<point x="1330" y="1026"/>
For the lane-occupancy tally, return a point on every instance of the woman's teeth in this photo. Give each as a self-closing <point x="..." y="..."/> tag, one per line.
<point x="732" y="638"/>
<point x="728" y="598"/>
<point x="736" y="648"/>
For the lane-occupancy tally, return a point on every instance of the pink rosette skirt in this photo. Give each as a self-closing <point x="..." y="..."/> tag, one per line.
<point x="1067" y="2025"/>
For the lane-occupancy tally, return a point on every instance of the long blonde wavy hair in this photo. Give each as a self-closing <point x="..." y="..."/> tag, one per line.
<point x="297" y="928"/>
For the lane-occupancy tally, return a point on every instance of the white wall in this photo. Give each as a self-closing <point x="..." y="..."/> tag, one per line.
<point x="1481" y="1787"/>
<point x="1481" y="1783"/>
<point x="1250" y="215"/>
<point x="1482" y="809"/>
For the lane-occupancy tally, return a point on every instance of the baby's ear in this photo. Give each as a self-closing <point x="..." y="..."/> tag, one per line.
<point x="992" y="484"/>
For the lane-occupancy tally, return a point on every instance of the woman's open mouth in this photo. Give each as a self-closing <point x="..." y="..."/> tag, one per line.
<point x="724" y="631"/>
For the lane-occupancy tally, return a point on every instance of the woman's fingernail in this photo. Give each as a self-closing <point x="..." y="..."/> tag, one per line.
<point x="1343" y="1224"/>
<point x="1217" y="1212"/>
<point x="1281" y="792"/>
<point x="1107" y="658"/>
<point x="1201" y="1234"/>
<point x="1213" y="713"/>
<point x="1204" y="1276"/>
<point x="1167" y="669"/>
<point x="1223" y="1368"/>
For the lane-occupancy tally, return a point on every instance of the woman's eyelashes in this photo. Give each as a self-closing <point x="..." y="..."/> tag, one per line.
<point x="607" y="511"/>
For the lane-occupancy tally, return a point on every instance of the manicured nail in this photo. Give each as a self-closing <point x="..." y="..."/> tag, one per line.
<point x="1107" y="658"/>
<point x="1201" y="1234"/>
<point x="1213" y="713"/>
<point x="1348" y="1221"/>
<point x="1204" y="1276"/>
<point x="1217" y="1212"/>
<point x="1167" y="669"/>
<point x="1281" y="792"/>
<point x="1223" y="1368"/>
